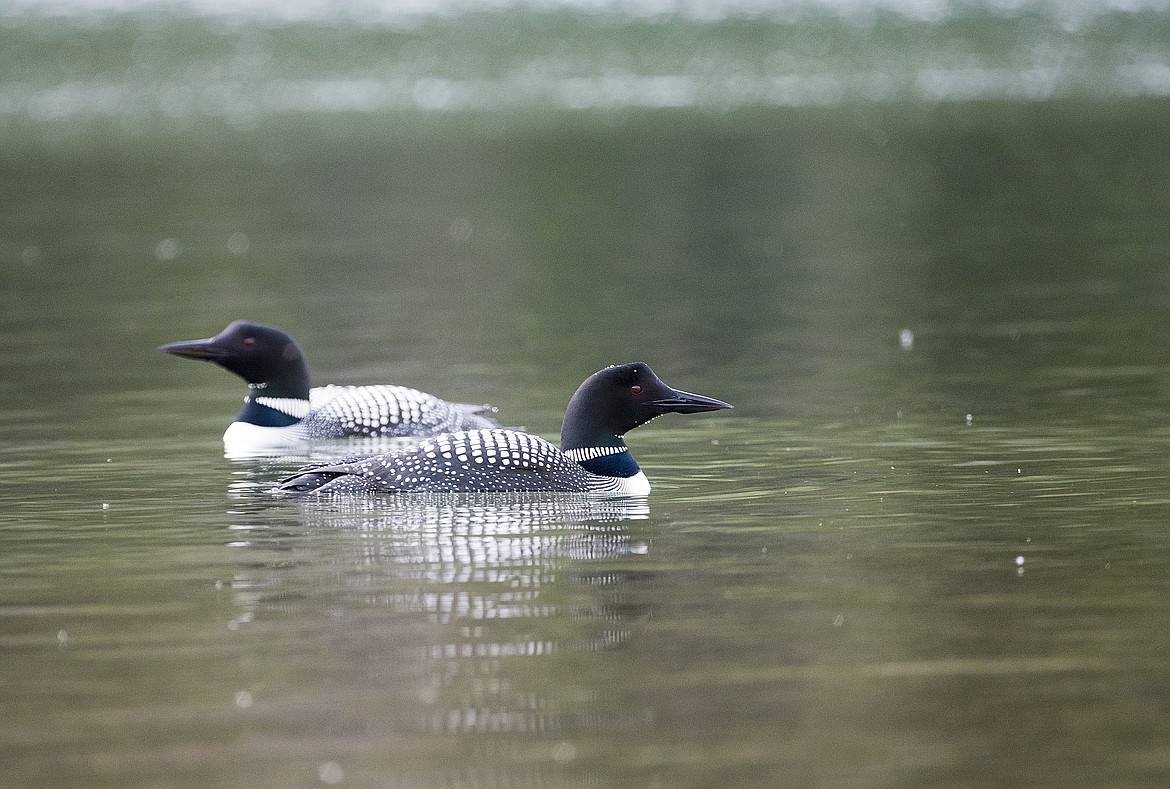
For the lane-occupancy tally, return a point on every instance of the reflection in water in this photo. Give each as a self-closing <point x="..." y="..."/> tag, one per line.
<point x="491" y="593"/>
<point x="301" y="452"/>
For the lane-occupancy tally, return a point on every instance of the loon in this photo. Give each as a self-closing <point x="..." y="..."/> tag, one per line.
<point x="593" y="457"/>
<point x="281" y="408"/>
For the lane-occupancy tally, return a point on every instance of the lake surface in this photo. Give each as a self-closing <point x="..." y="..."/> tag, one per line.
<point x="921" y="247"/>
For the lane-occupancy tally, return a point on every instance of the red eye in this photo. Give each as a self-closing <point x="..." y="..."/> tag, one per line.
<point x="636" y="389"/>
<point x="249" y="342"/>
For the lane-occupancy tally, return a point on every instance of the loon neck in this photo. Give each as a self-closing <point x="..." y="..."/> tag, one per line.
<point x="599" y="449"/>
<point x="268" y="410"/>
<point x="291" y="382"/>
<point x="282" y="399"/>
<point x="606" y="461"/>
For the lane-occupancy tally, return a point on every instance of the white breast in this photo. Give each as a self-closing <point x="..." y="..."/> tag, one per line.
<point x="636" y="485"/>
<point x="242" y="439"/>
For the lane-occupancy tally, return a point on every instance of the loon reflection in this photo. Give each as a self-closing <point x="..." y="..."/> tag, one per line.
<point x="483" y="598"/>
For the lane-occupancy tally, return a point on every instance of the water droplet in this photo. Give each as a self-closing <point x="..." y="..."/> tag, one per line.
<point x="461" y="229"/>
<point x="168" y="249"/>
<point x="330" y="773"/>
<point x="239" y="244"/>
<point x="564" y="752"/>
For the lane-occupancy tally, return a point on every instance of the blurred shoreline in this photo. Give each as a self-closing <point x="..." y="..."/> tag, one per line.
<point x="128" y="67"/>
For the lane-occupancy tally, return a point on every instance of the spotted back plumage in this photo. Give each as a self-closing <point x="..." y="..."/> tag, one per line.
<point x="495" y="460"/>
<point x="390" y="411"/>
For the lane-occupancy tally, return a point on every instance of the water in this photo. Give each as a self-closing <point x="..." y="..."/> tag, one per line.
<point x="921" y="248"/>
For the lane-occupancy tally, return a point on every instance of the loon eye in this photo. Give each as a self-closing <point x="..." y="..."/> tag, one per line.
<point x="249" y="342"/>
<point x="636" y="389"/>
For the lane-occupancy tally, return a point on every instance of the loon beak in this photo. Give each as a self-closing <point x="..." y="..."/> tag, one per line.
<point x="679" y="402"/>
<point x="195" y="349"/>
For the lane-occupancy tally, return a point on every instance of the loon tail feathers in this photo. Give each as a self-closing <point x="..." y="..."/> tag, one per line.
<point x="318" y="478"/>
<point x="309" y="482"/>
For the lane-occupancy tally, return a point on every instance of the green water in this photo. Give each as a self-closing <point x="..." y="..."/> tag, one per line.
<point x="929" y="547"/>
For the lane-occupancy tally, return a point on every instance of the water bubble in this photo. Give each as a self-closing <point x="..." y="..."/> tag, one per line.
<point x="461" y="229"/>
<point x="168" y="249"/>
<point x="239" y="244"/>
<point x="330" y="773"/>
<point x="564" y="752"/>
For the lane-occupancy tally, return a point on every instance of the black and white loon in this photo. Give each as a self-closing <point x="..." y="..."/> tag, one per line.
<point x="593" y="457"/>
<point x="281" y="409"/>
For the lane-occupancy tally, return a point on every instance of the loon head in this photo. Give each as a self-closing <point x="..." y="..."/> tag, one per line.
<point x="263" y="356"/>
<point x="619" y="398"/>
